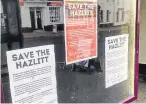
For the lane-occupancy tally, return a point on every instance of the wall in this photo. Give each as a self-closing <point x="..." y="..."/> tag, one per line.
<point x="25" y="17"/>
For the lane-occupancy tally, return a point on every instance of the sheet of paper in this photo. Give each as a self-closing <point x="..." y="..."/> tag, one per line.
<point x="116" y="59"/>
<point x="80" y="30"/>
<point x="32" y="75"/>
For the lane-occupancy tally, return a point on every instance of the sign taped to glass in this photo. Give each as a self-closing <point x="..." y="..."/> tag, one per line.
<point x="80" y="30"/>
<point x="32" y="75"/>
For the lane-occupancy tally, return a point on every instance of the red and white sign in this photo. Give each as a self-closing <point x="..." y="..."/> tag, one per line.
<point x="21" y="3"/>
<point x="80" y="30"/>
<point x="54" y="3"/>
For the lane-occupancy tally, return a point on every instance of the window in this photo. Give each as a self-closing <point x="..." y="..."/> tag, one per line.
<point x="122" y="15"/>
<point x="3" y="24"/>
<point x="117" y="14"/>
<point x="101" y="16"/>
<point x="107" y="18"/>
<point x="107" y="78"/>
<point x="54" y="14"/>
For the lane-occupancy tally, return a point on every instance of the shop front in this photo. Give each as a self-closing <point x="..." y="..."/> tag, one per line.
<point x="40" y="14"/>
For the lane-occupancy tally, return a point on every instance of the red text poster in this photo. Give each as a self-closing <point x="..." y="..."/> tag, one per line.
<point x="80" y="30"/>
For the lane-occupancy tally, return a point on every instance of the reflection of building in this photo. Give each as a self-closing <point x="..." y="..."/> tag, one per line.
<point x="114" y="11"/>
<point x="3" y="25"/>
<point x="10" y="18"/>
<point x="106" y="11"/>
<point x="10" y="28"/>
<point x="41" y="14"/>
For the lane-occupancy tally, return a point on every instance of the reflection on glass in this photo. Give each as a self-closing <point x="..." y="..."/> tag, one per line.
<point x="82" y="82"/>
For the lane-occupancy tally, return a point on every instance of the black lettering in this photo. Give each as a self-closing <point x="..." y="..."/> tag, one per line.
<point x="26" y="55"/>
<point x="42" y="59"/>
<point x="38" y="53"/>
<point x="25" y="64"/>
<point x="18" y="65"/>
<point x="34" y="62"/>
<point x="47" y="58"/>
<point x="30" y="62"/>
<point x="47" y="51"/>
<point x="111" y="47"/>
<point x="108" y="41"/>
<point x="20" y="57"/>
<point x="43" y="53"/>
<point x="116" y="46"/>
<point x="14" y="57"/>
<point x="116" y="40"/>
<point x="31" y="54"/>
<point x="122" y="39"/>
<point x="38" y="60"/>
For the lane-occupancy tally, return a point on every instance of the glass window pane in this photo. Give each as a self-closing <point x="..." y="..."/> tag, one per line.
<point x="107" y="78"/>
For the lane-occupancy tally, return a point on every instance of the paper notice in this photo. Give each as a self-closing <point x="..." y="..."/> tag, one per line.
<point x="80" y="30"/>
<point x="32" y="75"/>
<point x="116" y="59"/>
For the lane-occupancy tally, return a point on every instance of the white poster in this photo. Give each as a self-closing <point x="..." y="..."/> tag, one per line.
<point x="116" y="59"/>
<point x="32" y="75"/>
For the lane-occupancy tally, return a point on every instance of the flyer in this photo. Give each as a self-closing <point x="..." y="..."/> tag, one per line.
<point x="32" y="75"/>
<point x="116" y="59"/>
<point x="80" y="18"/>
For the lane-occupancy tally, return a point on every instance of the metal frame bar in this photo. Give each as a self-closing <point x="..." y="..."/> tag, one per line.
<point x="136" y="53"/>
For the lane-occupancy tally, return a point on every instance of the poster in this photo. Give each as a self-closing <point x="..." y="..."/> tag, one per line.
<point x="32" y="75"/>
<point x="80" y="30"/>
<point x="116" y="59"/>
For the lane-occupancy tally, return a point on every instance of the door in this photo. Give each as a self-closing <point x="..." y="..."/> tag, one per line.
<point x="39" y="20"/>
<point x="32" y="16"/>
